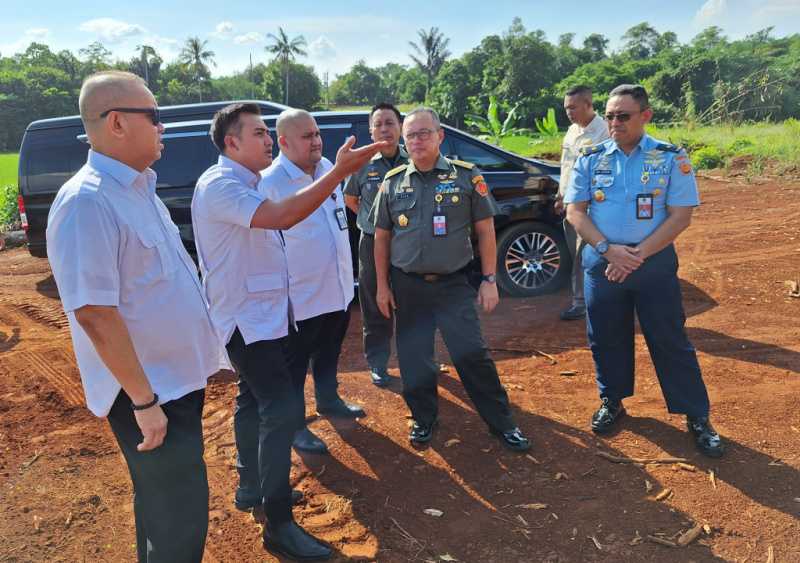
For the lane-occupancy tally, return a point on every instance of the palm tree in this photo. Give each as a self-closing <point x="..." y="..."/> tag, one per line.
<point x="194" y="56"/>
<point x="285" y="50"/>
<point x="430" y="54"/>
<point x="147" y="58"/>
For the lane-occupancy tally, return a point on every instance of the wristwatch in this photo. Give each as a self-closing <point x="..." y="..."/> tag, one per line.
<point x="490" y="278"/>
<point x="601" y="247"/>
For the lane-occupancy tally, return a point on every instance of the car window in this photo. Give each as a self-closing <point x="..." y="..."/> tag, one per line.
<point x="184" y="159"/>
<point x="481" y="157"/>
<point x="333" y="136"/>
<point x="49" y="166"/>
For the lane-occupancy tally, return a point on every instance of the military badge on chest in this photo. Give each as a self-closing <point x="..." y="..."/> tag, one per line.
<point x="602" y="179"/>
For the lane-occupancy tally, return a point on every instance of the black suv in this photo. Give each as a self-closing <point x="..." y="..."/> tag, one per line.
<point x="532" y="255"/>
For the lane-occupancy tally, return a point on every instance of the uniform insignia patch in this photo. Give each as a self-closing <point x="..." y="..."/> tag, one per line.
<point x="454" y="199"/>
<point x="372" y="174"/>
<point x="686" y="168"/>
<point x="482" y="188"/>
<point x="599" y="195"/>
<point x="586" y="151"/>
<point x="463" y="164"/>
<point x="394" y="171"/>
<point x="656" y="192"/>
<point x="402" y="220"/>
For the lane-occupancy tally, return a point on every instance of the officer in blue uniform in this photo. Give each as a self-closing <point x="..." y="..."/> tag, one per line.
<point x="629" y="198"/>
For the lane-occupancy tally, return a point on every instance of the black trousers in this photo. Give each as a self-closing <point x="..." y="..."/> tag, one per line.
<point x="170" y="486"/>
<point x="377" y="328"/>
<point x="318" y="342"/>
<point x="264" y="424"/>
<point x="449" y="305"/>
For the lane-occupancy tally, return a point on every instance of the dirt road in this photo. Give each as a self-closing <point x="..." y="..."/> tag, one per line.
<point x="65" y="493"/>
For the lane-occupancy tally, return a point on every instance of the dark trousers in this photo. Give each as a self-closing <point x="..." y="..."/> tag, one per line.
<point x="449" y="305"/>
<point x="377" y="328"/>
<point x="170" y="486"/>
<point x="653" y="293"/>
<point x="264" y="424"/>
<point x="319" y="342"/>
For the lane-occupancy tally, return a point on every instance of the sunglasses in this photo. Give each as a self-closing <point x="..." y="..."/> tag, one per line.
<point x="153" y="113"/>
<point x="422" y="135"/>
<point x="622" y="117"/>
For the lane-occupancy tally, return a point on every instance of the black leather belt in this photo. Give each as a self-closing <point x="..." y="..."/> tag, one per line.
<point x="434" y="277"/>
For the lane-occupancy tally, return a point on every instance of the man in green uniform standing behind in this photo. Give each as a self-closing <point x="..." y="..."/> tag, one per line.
<point x="425" y="213"/>
<point x="359" y="195"/>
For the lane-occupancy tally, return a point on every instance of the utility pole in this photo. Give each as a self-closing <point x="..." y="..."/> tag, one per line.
<point x="252" y="82"/>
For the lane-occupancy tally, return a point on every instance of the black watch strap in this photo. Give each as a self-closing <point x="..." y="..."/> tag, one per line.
<point x="491" y="278"/>
<point x="152" y="403"/>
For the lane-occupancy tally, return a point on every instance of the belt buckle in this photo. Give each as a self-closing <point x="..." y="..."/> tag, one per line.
<point x="430" y="277"/>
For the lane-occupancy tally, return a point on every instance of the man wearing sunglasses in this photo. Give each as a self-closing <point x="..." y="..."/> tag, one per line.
<point x="629" y="198"/>
<point x="143" y="339"/>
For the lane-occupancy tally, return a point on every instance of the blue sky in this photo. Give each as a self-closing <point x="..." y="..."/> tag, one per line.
<point x="340" y="33"/>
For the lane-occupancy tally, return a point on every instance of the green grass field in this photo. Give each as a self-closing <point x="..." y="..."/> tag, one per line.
<point x="8" y="188"/>
<point x="8" y="168"/>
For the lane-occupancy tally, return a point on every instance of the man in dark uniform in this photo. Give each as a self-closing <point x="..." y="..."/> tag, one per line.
<point x="359" y="195"/>
<point x="630" y="197"/>
<point x="426" y="211"/>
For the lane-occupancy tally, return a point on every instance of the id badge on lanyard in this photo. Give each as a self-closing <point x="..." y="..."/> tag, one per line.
<point x="644" y="206"/>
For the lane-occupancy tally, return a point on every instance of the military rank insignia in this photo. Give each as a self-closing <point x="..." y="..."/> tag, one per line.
<point x="402" y="220"/>
<point x="480" y="185"/>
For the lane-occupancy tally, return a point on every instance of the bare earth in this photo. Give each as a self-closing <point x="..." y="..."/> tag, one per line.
<point x="65" y="493"/>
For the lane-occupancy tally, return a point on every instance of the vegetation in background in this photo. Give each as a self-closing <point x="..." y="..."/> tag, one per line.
<point x="490" y="127"/>
<point x="9" y="214"/>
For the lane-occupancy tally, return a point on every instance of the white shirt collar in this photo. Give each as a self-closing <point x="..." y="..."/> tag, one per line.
<point x="244" y="174"/>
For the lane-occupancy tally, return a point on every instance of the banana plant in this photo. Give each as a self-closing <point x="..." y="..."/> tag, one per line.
<point x="490" y="127"/>
<point x="547" y="126"/>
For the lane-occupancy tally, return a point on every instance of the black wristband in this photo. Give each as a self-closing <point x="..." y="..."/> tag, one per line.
<point x="152" y="403"/>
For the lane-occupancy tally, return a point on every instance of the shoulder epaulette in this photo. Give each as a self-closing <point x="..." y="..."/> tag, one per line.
<point x="586" y="151"/>
<point x="462" y="164"/>
<point x="395" y="170"/>
<point x="667" y="147"/>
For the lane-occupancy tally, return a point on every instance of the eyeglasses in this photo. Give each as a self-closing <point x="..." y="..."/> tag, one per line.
<point x="620" y="116"/>
<point x="153" y="113"/>
<point x="422" y="135"/>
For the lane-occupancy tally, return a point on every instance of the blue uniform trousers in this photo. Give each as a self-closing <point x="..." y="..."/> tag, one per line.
<point x="653" y="293"/>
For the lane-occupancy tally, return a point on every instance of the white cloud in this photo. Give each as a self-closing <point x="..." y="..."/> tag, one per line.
<point x="113" y="31"/>
<point x="249" y="38"/>
<point x="224" y="30"/>
<point x="710" y="11"/>
<point x="322" y="48"/>
<point x="779" y="7"/>
<point x="37" y="33"/>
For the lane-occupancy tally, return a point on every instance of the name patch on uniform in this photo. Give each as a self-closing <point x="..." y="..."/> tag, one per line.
<point x="644" y="206"/>
<point x="439" y="225"/>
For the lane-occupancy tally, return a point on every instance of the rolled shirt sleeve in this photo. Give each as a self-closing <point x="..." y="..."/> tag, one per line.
<point x="579" y="187"/>
<point x="682" y="190"/>
<point x="83" y="241"/>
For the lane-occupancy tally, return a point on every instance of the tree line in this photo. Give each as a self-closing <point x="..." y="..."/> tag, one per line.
<point x="708" y="79"/>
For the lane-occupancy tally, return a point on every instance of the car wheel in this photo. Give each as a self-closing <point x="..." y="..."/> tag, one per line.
<point x="532" y="259"/>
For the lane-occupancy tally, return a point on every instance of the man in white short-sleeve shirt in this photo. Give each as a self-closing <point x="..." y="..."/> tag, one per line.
<point x="587" y="129"/>
<point x="143" y="339"/>
<point x="320" y="270"/>
<point x="246" y="279"/>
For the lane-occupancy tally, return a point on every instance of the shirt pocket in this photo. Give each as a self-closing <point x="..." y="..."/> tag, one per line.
<point x="403" y="208"/>
<point x="157" y="259"/>
<point x="268" y="290"/>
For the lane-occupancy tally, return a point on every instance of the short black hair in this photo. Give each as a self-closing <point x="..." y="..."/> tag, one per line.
<point x="580" y="90"/>
<point x="635" y="91"/>
<point x="226" y="122"/>
<point x="385" y="105"/>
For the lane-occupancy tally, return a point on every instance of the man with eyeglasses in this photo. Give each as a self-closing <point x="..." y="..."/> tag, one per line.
<point x="384" y="125"/>
<point x="143" y="339"/>
<point x="426" y="211"/>
<point x="321" y="284"/>
<point x="587" y="129"/>
<point x="629" y="198"/>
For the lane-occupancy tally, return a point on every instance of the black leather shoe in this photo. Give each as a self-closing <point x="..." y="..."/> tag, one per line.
<point x="422" y="433"/>
<point x="574" y="313"/>
<point x="306" y="441"/>
<point x="705" y="437"/>
<point x="607" y="416"/>
<point x="340" y="408"/>
<point x="290" y="540"/>
<point x="380" y="378"/>
<point x="513" y="439"/>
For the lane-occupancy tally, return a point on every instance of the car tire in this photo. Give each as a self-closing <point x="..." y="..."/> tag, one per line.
<point x="532" y="259"/>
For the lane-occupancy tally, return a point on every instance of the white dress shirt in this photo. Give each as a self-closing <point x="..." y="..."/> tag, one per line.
<point x="110" y="241"/>
<point x="320" y="262"/>
<point x="575" y="139"/>
<point x="245" y="272"/>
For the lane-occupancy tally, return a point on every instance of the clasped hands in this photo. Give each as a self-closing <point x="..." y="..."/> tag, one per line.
<point x="622" y="261"/>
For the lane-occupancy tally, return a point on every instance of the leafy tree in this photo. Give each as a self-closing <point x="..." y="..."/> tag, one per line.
<point x="96" y="57"/>
<point x="196" y="57"/>
<point x="641" y="41"/>
<point x="361" y="85"/>
<point x="306" y="86"/>
<point x="431" y="53"/>
<point x="285" y="51"/>
<point x="491" y="127"/>
<point x="449" y="94"/>
<point x="595" y="45"/>
<point x="147" y="64"/>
